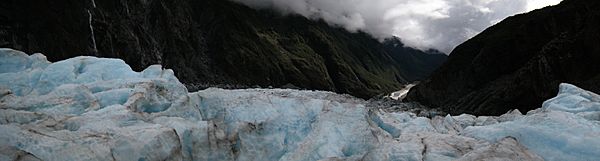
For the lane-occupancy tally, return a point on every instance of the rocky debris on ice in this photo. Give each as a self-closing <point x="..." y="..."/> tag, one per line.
<point x="88" y="108"/>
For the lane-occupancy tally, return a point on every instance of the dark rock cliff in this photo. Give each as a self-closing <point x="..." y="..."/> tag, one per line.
<point x="519" y="62"/>
<point x="214" y="42"/>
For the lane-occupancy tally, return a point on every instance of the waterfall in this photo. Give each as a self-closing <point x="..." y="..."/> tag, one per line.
<point x="93" y="3"/>
<point x="94" y="46"/>
<point x="92" y="31"/>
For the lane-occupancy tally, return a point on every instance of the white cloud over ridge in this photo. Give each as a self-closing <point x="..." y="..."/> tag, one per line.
<point x="438" y="24"/>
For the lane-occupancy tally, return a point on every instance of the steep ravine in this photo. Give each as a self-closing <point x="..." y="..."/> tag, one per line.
<point x="211" y="42"/>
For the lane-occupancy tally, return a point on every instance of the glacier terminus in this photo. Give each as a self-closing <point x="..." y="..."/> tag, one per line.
<point x="88" y="108"/>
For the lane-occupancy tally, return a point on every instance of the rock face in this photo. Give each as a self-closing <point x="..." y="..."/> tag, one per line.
<point x="81" y="109"/>
<point x="519" y="62"/>
<point x="210" y="42"/>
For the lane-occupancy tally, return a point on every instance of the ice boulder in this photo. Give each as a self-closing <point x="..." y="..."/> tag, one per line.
<point x="89" y="108"/>
<point x="560" y="130"/>
<point x="80" y="84"/>
<point x="575" y="100"/>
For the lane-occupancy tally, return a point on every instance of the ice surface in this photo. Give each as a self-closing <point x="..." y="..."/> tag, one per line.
<point x="558" y="131"/>
<point x="575" y="100"/>
<point x="88" y="108"/>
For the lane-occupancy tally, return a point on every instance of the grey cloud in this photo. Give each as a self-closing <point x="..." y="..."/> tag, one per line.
<point x="424" y="24"/>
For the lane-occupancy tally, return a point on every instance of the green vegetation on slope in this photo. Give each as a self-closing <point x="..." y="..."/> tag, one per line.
<point x="218" y="42"/>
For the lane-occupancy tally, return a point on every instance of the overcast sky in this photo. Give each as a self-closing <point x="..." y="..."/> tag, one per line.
<point x="438" y="24"/>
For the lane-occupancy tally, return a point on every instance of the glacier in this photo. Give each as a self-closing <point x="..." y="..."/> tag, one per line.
<point x="88" y="108"/>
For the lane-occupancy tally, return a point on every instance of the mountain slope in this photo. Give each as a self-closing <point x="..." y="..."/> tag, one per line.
<point x="215" y="42"/>
<point x="519" y="62"/>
